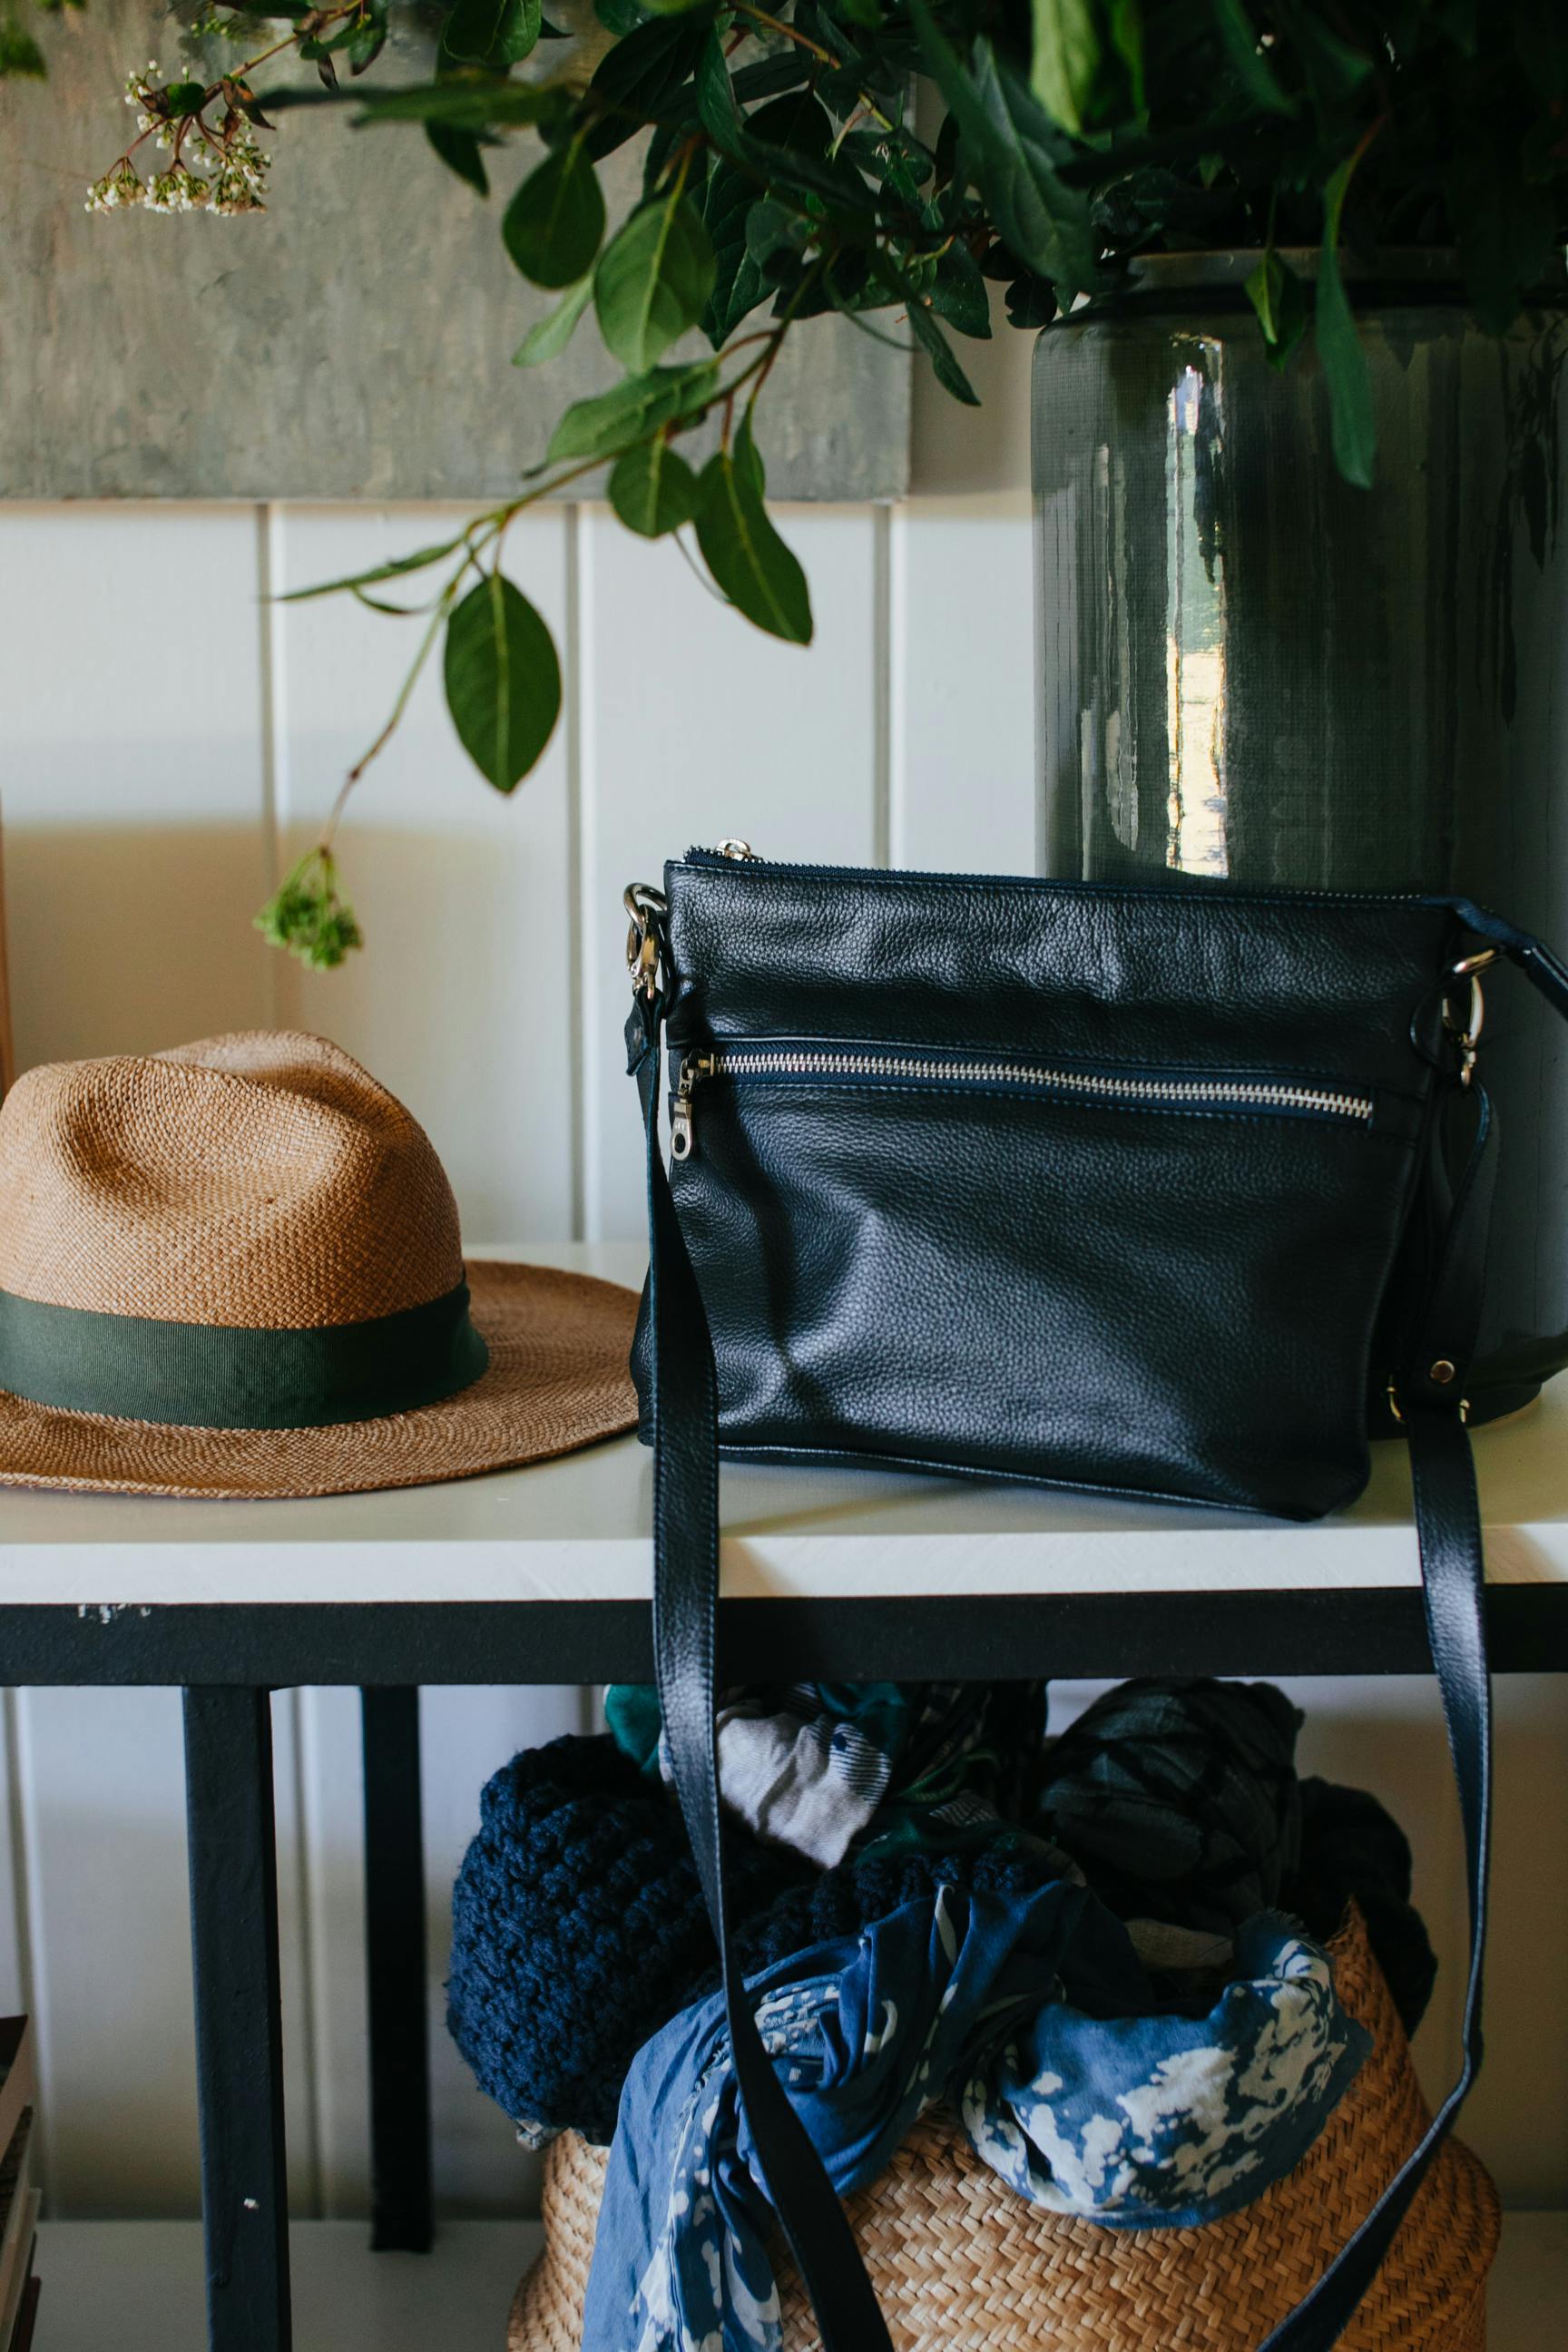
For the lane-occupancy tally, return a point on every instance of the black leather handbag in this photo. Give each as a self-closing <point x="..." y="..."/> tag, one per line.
<point x="1175" y="1191"/>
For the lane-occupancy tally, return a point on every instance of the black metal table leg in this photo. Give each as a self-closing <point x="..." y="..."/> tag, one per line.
<point x="395" y="1972"/>
<point x="239" y="2030"/>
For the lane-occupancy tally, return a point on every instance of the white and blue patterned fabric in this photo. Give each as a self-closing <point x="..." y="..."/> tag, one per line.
<point x="1130" y="2119"/>
<point x="1169" y="2122"/>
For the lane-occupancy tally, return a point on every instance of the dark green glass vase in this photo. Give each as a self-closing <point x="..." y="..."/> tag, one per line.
<point x="1249" y="668"/>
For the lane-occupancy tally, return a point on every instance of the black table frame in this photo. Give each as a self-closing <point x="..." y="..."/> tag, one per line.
<point x="228" y="1658"/>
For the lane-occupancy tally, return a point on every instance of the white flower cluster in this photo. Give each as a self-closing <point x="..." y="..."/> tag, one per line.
<point x="138" y="92"/>
<point x="234" y="162"/>
<point x="239" y="175"/>
<point x="177" y="189"/>
<point x="118" y="186"/>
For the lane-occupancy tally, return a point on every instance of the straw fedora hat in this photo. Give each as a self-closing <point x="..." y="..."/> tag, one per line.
<point x="235" y="1269"/>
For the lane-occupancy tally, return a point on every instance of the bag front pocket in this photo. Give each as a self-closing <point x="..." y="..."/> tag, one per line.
<point x="1191" y="1091"/>
<point x="1158" y="1281"/>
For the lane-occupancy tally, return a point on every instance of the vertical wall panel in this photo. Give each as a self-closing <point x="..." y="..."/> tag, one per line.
<point x="330" y="1802"/>
<point x="132" y="785"/>
<point x="461" y="1001"/>
<point x="105" y="1815"/>
<point x="131" y="775"/>
<point x="697" y="725"/>
<point x="962" y="667"/>
<point x="466" y="1735"/>
<point x="301" y="2118"/>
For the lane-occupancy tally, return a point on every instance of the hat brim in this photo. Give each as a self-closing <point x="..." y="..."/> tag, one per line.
<point x="557" y="1379"/>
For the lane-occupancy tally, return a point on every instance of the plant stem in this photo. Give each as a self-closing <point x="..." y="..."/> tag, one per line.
<point x="489" y="530"/>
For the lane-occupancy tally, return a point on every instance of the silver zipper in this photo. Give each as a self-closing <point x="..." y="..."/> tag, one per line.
<point x="1230" y="1094"/>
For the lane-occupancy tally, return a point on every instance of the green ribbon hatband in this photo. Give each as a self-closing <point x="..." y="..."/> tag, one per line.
<point x="203" y="1376"/>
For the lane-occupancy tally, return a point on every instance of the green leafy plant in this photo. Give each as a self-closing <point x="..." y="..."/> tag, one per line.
<point x="886" y="161"/>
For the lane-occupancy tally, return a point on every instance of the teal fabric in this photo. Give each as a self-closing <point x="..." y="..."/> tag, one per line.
<point x="202" y="1376"/>
<point x="633" y="1718"/>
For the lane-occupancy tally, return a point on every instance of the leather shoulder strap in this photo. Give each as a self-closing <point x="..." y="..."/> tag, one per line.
<point x="686" y="1594"/>
<point x="1545" y="971"/>
<point x="1430" y="1401"/>
<point x="1447" y="1519"/>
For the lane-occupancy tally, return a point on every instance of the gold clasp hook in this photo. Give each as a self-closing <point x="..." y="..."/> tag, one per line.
<point x="644" y="906"/>
<point x="1468" y="1035"/>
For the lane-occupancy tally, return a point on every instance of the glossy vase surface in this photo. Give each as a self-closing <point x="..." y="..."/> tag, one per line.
<point x="1249" y="668"/>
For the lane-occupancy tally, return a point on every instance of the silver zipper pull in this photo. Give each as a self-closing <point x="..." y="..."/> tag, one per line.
<point x="682" y="1127"/>
<point x="741" y="851"/>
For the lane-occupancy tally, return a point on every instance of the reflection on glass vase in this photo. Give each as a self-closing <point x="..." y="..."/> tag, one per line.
<point x="1247" y="669"/>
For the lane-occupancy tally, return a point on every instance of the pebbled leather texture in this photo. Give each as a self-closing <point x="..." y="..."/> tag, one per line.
<point x="1170" y="1302"/>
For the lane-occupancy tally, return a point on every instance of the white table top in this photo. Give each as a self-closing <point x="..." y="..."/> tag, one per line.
<point x="578" y="1529"/>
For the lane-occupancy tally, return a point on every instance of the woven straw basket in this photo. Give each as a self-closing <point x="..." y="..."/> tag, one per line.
<point x="959" y="2262"/>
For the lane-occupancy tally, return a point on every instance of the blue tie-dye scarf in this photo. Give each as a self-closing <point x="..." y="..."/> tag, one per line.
<point x="1134" y="2120"/>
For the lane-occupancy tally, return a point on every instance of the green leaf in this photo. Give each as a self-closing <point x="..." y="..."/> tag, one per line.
<point x="503" y="680"/>
<point x="1280" y="300"/>
<point x="21" y="59"/>
<point x="603" y="426"/>
<point x="399" y="564"/>
<point x="638" y="81"/>
<point x="460" y="151"/>
<point x="927" y="334"/>
<point x="739" y="283"/>
<point x="1126" y="40"/>
<point x="492" y="32"/>
<point x="773" y="228"/>
<point x="1353" y="426"/>
<point x="548" y="336"/>
<point x="785" y="146"/>
<point x="1031" y="301"/>
<point x="1066" y="63"/>
<point x="957" y="293"/>
<point x="1239" y="37"/>
<point x="653" y="280"/>
<point x="367" y="38"/>
<point x="1008" y="141"/>
<point x="895" y="158"/>
<point x="717" y="105"/>
<point x="767" y="76"/>
<point x="1506" y="232"/>
<point x="1335" y="69"/>
<point x="652" y="489"/>
<point x="748" y="559"/>
<point x="553" y="224"/>
<point x="472" y="102"/>
<point x="184" y="98"/>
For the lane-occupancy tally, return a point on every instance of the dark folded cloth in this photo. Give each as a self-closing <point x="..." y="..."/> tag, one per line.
<point x="1352" y="1851"/>
<point x="579" y="1929"/>
<point x="1179" y="1799"/>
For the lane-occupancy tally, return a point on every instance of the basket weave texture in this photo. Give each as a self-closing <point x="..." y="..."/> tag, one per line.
<point x="961" y="2263"/>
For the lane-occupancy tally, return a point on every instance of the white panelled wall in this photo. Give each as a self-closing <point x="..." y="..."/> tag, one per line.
<point x="169" y="739"/>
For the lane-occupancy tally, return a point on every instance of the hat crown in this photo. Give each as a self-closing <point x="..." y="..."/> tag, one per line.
<point x="260" y="1182"/>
